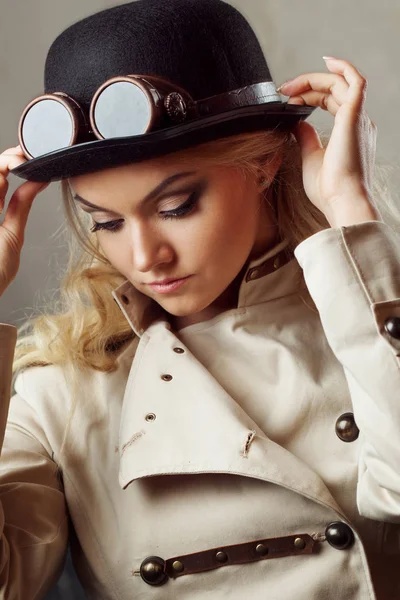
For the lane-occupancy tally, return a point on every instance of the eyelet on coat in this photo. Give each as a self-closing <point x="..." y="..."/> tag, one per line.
<point x="179" y="350"/>
<point x="166" y="377"/>
<point x="150" y="417"/>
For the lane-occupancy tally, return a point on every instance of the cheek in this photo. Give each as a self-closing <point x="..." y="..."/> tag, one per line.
<point x="222" y="240"/>
<point x="111" y="246"/>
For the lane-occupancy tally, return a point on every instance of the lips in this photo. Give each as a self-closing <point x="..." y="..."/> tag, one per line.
<point x="173" y="285"/>
<point x="165" y="281"/>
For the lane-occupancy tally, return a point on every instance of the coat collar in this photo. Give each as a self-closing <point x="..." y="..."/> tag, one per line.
<point x="201" y="428"/>
<point x="142" y="311"/>
<point x="196" y="426"/>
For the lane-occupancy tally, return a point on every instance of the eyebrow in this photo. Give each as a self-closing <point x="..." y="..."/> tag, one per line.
<point x="151" y="196"/>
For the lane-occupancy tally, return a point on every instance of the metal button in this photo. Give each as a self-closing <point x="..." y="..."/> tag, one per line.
<point x="299" y="543"/>
<point x="179" y="350"/>
<point x="261" y="549"/>
<point x="152" y="570"/>
<point x="339" y="535"/>
<point x="150" y="417"/>
<point x="166" y="377"/>
<point x="177" y="566"/>
<point x="221" y="556"/>
<point x="346" y="428"/>
<point x="392" y="326"/>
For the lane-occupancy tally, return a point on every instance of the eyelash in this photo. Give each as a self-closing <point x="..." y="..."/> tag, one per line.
<point x="182" y="210"/>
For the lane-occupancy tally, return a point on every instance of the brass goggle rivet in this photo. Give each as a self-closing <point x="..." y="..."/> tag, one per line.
<point x="261" y="549"/>
<point x="277" y="262"/>
<point x="299" y="543"/>
<point x="177" y="566"/>
<point x="221" y="556"/>
<point x="150" y="417"/>
<point x="166" y="377"/>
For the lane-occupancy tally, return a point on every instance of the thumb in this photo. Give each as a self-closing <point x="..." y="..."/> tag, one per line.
<point x="307" y="138"/>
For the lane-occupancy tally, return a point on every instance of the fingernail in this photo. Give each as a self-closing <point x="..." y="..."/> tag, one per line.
<point x="329" y="58"/>
<point x="278" y="89"/>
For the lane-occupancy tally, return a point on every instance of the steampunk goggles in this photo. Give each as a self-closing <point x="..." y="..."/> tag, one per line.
<point x="124" y="106"/>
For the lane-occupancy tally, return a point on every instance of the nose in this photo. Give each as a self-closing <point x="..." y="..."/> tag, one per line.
<point x="149" y="248"/>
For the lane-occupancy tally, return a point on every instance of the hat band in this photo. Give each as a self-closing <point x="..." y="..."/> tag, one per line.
<point x="125" y="106"/>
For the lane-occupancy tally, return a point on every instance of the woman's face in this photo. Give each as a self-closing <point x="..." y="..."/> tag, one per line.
<point x="161" y="220"/>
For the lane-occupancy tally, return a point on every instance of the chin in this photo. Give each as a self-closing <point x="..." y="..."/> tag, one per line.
<point x="183" y="307"/>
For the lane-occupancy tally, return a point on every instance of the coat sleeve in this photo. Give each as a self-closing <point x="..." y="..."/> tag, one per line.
<point x="353" y="275"/>
<point x="33" y="516"/>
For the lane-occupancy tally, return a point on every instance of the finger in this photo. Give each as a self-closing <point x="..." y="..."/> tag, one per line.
<point x="307" y="138"/>
<point x="325" y="83"/>
<point x="324" y="101"/>
<point x="19" y="207"/>
<point x="9" y="159"/>
<point x="357" y="82"/>
<point x="13" y="150"/>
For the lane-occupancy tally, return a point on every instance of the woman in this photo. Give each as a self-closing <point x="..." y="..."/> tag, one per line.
<point x="234" y="432"/>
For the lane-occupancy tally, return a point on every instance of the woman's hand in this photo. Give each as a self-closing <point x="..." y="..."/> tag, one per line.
<point x="12" y="229"/>
<point x="338" y="179"/>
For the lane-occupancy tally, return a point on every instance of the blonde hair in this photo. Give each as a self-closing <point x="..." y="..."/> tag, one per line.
<point x="85" y="329"/>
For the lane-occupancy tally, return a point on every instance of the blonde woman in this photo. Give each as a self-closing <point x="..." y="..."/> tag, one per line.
<point x="212" y="409"/>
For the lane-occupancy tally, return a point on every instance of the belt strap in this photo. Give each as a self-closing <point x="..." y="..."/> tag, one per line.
<point x="239" y="553"/>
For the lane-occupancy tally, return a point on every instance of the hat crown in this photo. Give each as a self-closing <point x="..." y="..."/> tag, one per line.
<point x="205" y="46"/>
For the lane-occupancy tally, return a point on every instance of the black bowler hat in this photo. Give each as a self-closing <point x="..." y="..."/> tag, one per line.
<point x="204" y="47"/>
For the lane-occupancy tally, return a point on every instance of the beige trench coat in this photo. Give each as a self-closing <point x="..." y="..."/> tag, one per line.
<point x="222" y="448"/>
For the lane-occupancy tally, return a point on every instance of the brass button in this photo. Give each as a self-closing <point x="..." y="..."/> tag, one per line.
<point x="261" y="549"/>
<point x="299" y="543"/>
<point x="339" y="535"/>
<point x="221" y="556"/>
<point x="179" y="350"/>
<point x="152" y="571"/>
<point x="166" y="377"/>
<point x="177" y="566"/>
<point x="392" y="326"/>
<point x="346" y="428"/>
<point x="150" y="417"/>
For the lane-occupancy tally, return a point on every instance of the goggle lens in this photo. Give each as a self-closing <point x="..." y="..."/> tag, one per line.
<point x="47" y="126"/>
<point x="122" y="109"/>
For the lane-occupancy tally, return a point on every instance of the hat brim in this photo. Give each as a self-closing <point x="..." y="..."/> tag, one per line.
<point x="95" y="155"/>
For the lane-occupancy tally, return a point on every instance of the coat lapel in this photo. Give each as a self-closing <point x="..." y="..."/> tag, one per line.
<point x="176" y="418"/>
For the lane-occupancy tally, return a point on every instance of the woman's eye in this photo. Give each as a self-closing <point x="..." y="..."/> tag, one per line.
<point x="182" y="210"/>
<point x="109" y="226"/>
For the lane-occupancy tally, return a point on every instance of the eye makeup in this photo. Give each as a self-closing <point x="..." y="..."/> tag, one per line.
<point x="181" y="211"/>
